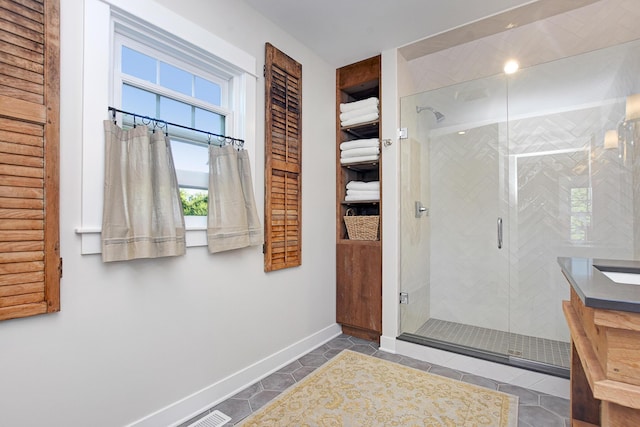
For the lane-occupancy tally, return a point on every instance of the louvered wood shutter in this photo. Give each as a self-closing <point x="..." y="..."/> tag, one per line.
<point x="283" y="161"/>
<point x="30" y="263"/>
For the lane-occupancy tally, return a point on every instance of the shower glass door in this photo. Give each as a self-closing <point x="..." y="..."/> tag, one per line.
<point x="454" y="266"/>
<point x="548" y="153"/>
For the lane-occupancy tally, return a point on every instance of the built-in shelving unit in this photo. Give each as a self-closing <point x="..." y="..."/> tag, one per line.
<point x="359" y="262"/>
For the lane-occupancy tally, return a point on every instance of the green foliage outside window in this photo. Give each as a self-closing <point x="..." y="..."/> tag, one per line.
<point x="194" y="204"/>
<point x="580" y="213"/>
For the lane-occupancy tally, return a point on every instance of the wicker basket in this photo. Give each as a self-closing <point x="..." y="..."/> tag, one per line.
<point x="361" y="227"/>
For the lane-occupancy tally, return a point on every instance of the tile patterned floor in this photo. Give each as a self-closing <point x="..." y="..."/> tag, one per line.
<point x="535" y="409"/>
<point x="531" y="348"/>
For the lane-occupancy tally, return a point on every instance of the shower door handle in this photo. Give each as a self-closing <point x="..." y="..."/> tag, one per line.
<point x="499" y="233"/>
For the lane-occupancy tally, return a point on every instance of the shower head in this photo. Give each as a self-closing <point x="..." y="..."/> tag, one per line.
<point x="438" y="114"/>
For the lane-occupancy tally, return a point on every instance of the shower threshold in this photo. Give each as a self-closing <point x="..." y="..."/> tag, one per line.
<point x="532" y="353"/>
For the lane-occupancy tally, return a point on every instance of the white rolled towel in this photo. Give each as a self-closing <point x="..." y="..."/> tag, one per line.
<point x="358" y="112"/>
<point x="349" y="106"/>
<point x="358" y="152"/>
<point x="360" y="119"/>
<point x="371" y="158"/>
<point x="361" y="185"/>
<point x="360" y="143"/>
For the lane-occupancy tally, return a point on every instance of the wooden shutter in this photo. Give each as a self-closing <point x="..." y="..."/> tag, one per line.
<point x="283" y="161"/>
<point x="30" y="264"/>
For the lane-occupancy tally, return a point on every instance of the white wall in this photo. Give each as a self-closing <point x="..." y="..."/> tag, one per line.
<point x="391" y="197"/>
<point x="135" y="337"/>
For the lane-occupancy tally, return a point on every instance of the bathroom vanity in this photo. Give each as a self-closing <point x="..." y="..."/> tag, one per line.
<point x="603" y="315"/>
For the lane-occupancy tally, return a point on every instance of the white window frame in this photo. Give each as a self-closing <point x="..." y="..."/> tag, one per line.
<point x="104" y="19"/>
<point x="125" y="36"/>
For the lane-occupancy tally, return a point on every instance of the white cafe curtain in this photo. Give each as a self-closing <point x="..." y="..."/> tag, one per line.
<point x="142" y="214"/>
<point x="232" y="220"/>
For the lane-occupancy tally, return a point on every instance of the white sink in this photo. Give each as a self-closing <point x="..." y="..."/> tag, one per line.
<point x="624" y="278"/>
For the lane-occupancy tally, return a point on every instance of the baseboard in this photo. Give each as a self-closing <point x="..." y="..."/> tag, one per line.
<point x="190" y="406"/>
<point x="388" y="344"/>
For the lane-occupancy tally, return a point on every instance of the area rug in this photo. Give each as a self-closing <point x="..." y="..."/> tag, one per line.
<point x="354" y="389"/>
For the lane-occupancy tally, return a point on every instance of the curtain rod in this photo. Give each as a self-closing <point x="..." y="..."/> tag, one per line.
<point x="221" y="138"/>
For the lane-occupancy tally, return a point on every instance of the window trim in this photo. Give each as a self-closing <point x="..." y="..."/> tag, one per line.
<point x="141" y="43"/>
<point x="98" y="89"/>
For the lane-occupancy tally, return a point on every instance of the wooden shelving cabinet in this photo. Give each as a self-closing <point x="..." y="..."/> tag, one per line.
<point x="359" y="262"/>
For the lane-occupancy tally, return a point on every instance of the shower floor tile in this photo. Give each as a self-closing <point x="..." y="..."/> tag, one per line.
<point x="530" y="348"/>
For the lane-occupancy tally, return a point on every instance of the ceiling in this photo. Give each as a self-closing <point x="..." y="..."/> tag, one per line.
<point x="345" y="31"/>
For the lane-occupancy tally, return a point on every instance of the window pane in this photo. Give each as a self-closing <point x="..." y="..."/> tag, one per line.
<point x="175" y="111"/>
<point x="580" y="214"/>
<point x="190" y="157"/>
<point x="211" y="122"/>
<point x="138" y="101"/>
<point x="176" y="79"/>
<point x="207" y="91"/>
<point x="138" y="65"/>
<point x="194" y="202"/>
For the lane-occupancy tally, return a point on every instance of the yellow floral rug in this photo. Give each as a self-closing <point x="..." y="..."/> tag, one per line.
<point x="353" y="389"/>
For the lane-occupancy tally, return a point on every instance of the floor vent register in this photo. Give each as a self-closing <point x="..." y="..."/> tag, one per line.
<point x="214" y="419"/>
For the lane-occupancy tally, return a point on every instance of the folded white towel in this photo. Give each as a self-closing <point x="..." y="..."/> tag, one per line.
<point x="361" y="185"/>
<point x="355" y="198"/>
<point x="357" y="152"/>
<point x="360" y="143"/>
<point x="360" y="119"/>
<point x="360" y="159"/>
<point x="358" y="112"/>
<point x="349" y="106"/>
<point x="365" y="193"/>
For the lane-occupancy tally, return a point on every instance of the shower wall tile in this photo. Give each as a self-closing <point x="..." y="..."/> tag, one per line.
<point x="551" y="155"/>
<point x="545" y="171"/>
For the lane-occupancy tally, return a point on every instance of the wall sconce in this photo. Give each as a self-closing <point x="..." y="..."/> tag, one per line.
<point x="625" y="136"/>
<point x="632" y="109"/>
<point x="611" y="139"/>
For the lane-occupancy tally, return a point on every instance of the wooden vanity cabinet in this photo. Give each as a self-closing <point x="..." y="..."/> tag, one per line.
<point x="605" y="365"/>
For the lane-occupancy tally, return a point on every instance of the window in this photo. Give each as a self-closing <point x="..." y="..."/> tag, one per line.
<point x="180" y="90"/>
<point x="169" y="38"/>
<point x="580" y="214"/>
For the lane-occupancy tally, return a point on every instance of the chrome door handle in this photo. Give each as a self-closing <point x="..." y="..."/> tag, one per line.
<point x="499" y="233"/>
<point x="420" y="210"/>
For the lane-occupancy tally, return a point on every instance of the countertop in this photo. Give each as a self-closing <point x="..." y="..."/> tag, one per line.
<point x="597" y="290"/>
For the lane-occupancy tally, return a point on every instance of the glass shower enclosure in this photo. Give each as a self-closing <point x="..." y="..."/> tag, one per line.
<point x="499" y="177"/>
